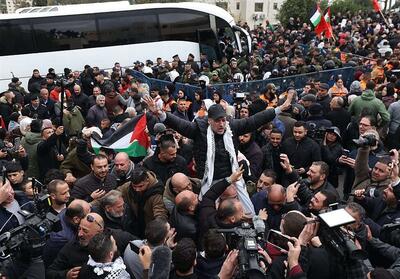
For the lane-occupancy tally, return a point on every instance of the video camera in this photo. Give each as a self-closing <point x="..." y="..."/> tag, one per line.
<point x="247" y="240"/>
<point x="28" y="239"/>
<point x="390" y="233"/>
<point x="334" y="237"/>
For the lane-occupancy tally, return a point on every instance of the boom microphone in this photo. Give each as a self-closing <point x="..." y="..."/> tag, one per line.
<point x="161" y="259"/>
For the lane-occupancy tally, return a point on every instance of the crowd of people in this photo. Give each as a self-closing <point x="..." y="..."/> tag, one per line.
<point x="279" y="158"/>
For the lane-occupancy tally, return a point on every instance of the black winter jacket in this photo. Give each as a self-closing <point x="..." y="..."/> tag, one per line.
<point x="86" y="185"/>
<point x="301" y="154"/>
<point x="197" y="130"/>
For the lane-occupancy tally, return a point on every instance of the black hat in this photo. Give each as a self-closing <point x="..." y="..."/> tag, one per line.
<point x="176" y="55"/>
<point x="315" y="109"/>
<point x="216" y="111"/>
<point x="191" y="55"/>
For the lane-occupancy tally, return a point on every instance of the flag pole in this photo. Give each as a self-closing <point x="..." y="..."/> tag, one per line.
<point x="384" y="18"/>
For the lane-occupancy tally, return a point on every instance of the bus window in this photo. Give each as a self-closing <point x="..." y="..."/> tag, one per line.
<point x="182" y="26"/>
<point x="209" y="44"/>
<point x="127" y="28"/>
<point x="19" y="37"/>
<point x="65" y="33"/>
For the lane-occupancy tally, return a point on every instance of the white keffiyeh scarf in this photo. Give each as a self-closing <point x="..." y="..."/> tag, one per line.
<point x="209" y="168"/>
<point x="116" y="269"/>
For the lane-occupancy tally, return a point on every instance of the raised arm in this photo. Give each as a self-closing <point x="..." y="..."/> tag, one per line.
<point x="186" y="128"/>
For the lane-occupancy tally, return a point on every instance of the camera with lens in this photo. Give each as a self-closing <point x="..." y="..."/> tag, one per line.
<point x="246" y="240"/>
<point x="390" y="233"/>
<point x="27" y="240"/>
<point x="367" y="140"/>
<point x="334" y="238"/>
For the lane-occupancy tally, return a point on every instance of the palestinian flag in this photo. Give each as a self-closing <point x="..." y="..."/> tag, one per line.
<point x="316" y="17"/>
<point x="321" y="27"/>
<point x="131" y="138"/>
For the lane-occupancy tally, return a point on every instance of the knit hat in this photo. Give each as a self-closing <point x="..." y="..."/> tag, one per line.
<point x="355" y="87"/>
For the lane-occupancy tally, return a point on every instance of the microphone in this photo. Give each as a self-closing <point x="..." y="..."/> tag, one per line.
<point x="372" y="193"/>
<point x="161" y="259"/>
<point x="259" y="225"/>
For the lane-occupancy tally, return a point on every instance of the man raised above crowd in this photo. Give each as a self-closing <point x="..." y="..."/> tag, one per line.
<point x="216" y="139"/>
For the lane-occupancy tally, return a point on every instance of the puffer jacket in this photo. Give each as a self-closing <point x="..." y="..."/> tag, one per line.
<point x="30" y="143"/>
<point x="146" y="206"/>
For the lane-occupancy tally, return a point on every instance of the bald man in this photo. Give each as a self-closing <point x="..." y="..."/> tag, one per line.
<point x="123" y="168"/>
<point x="74" y="254"/>
<point x="276" y="196"/>
<point x="183" y="216"/>
<point x="81" y="100"/>
<point x="70" y="219"/>
<point x="176" y="184"/>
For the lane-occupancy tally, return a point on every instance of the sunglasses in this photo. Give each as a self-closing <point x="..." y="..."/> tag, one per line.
<point x="91" y="219"/>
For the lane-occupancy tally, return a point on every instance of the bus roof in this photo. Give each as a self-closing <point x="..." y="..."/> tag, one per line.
<point x="93" y="8"/>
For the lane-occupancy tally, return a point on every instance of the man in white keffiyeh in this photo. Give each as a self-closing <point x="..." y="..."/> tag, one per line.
<point x="215" y="142"/>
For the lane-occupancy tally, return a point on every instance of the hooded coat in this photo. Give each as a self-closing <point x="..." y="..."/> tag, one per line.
<point x="30" y="143"/>
<point x="367" y="100"/>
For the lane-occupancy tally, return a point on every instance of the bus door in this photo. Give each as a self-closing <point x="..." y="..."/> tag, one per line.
<point x="244" y="39"/>
<point x="209" y="45"/>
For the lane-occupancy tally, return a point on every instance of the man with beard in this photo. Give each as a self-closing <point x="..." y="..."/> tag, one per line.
<point x="59" y="195"/>
<point x="123" y="168"/>
<point x="144" y="196"/>
<point x="97" y="112"/>
<point x="252" y="152"/>
<point x="321" y="200"/>
<point x="114" y="211"/>
<point x="104" y="260"/>
<point x="75" y="253"/>
<point x="70" y="219"/>
<point x="97" y="183"/>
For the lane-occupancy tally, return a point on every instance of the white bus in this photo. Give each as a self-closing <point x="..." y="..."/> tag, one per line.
<point x="104" y="33"/>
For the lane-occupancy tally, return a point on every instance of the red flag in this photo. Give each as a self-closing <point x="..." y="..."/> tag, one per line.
<point x="376" y="6"/>
<point x="329" y="30"/>
<point x="321" y="27"/>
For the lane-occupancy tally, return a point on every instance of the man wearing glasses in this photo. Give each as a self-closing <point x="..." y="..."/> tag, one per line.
<point x="74" y="254"/>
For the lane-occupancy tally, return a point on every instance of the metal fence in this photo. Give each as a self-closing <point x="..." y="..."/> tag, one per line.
<point x="282" y="83"/>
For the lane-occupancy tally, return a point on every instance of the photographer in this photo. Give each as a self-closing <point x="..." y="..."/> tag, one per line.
<point x="48" y="150"/>
<point x="380" y="176"/>
<point x="316" y="182"/>
<point x="381" y="210"/>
